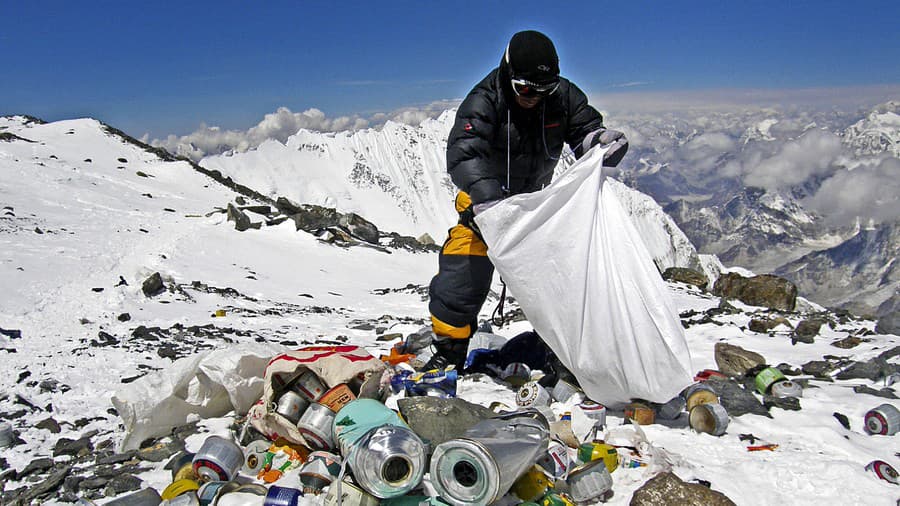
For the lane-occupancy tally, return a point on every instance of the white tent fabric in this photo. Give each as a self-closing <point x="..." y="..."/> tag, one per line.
<point x="576" y="264"/>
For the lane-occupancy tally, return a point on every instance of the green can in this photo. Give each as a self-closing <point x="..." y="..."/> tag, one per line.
<point x="766" y="377"/>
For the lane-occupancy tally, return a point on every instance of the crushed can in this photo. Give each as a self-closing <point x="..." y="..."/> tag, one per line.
<point x="219" y="459"/>
<point x="316" y="427"/>
<point x="531" y="485"/>
<point x="387" y="458"/>
<point x="556" y="462"/>
<point x="480" y="466"/>
<point x="344" y="493"/>
<point x="884" y="471"/>
<point x="699" y="393"/>
<point x="883" y="420"/>
<point x="766" y="378"/>
<point x="291" y="405"/>
<point x="709" y="418"/>
<point x="282" y="496"/>
<point x="319" y="470"/>
<point x="598" y="450"/>
<point x="532" y="394"/>
<point x="337" y="397"/>
<point x="589" y="482"/>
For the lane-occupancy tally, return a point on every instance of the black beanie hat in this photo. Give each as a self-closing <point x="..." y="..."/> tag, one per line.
<point x="531" y="56"/>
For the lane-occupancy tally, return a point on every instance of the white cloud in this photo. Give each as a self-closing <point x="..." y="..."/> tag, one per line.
<point x="870" y="192"/>
<point x="814" y="153"/>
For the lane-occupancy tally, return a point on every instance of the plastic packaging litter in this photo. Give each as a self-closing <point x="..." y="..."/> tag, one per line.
<point x="436" y="383"/>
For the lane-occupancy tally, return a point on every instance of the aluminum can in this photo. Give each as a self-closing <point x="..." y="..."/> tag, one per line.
<point x="883" y="420"/>
<point x="709" y="418"/>
<point x="316" y="427"/>
<point x="255" y="456"/>
<point x="532" y="394"/>
<point x="884" y="471"/>
<point x="309" y="386"/>
<point x="766" y="378"/>
<point x="589" y="482"/>
<point x="786" y="388"/>
<point x="699" y="393"/>
<point x="219" y="459"/>
<point x="481" y="465"/>
<point x="291" y="405"/>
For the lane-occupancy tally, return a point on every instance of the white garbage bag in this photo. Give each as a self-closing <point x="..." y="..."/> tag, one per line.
<point x="581" y="273"/>
<point x="207" y="385"/>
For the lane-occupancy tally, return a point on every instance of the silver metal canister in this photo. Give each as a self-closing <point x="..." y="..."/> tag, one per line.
<point x="710" y="418"/>
<point x="309" y="385"/>
<point x="671" y="410"/>
<point x="291" y="405"/>
<point x="481" y="466"/>
<point x="316" y="427"/>
<point x="595" y="411"/>
<point x="255" y="456"/>
<point x="532" y="394"/>
<point x="786" y="388"/>
<point x="219" y="459"/>
<point x="589" y="482"/>
<point x="563" y="390"/>
<point x="883" y="420"/>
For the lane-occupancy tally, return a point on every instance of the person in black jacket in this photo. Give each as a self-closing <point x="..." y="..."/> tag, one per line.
<point x="507" y="139"/>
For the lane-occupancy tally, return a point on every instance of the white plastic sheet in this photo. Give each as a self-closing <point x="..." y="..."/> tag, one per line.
<point x="207" y="385"/>
<point x="581" y="273"/>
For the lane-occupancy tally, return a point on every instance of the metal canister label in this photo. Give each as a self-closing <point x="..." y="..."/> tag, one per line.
<point x="709" y="418"/>
<point x="556" y="461"/>
<point x="309" y="385"/>
<point x="595" y="411"/>
<point x="316" y="427"/>
<point x="532" y="394"/>
<point x="320" y="469"/>
<point x="531" y="485"/>
<point x="883" y="420"/>
<point x="337" y="397"/>
<point x="563" y="390"/>
<point x="884" y="471"/>
<point x="553" y="499"/>
<point x="291" y="405"/>
<point x="219" y="459"/>
<point x="766" y="378"/>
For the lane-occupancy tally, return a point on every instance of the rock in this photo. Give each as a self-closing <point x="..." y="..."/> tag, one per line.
<point x="262" y="210"/>
<point x="807" y="330"/>
<point x="736" y="361"/>
<point x="93" y="483"/>
<point x="240" y="200"/>
<point x="819" y="368"/>
<point x="76" y="448"/>
<point x="842" y="419"/>
<point x="848" y="342"/>
<point x="287" y="207"/>
<point x="360" y="227"/>
<point x="765" y="290"/>
<point x="886" y="393"/>
<point x="426" y="240"/>
<point x="763" y="325"/>
<point x="788" y="369"/>
<point x="786" y="403"/>
<point x="888" y="314"/>
<point x="687" y="276"/>
<point x="667" y="489"/>
<point x="241" y="220"/>
<point x="50" y="484"/>
<point x="160" y="451"/>
<point x="124" y="317"/>
<point x="122" y="483"/>
<point x="436" y="420"/>
<point x="153" y="285"/>
<point x="735" y="398"/>
<point x="872" y="370"/>
<point x="116" y="458"/>
<point x="49" y="424"/>
<point x="312" y="218"/>
<point x="37" y="466"/>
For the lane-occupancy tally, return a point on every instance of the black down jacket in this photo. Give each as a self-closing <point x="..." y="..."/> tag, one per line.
<point x="477" y="146"/>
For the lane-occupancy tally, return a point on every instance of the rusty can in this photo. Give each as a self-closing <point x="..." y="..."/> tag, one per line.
<point x="337" y="397"/>
<point x="316" y="427"/>
<point x="532" y="394"/>
<point x="309" y="385"/>
<point x="883" y="420"/>
<point x="219" y="459"/>
<point x="640" y="413"/>
<point x="291" y="405"/>
<point x="709" y="418"/>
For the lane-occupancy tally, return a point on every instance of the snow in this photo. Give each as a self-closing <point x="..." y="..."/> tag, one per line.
<point x="98" y="225"/>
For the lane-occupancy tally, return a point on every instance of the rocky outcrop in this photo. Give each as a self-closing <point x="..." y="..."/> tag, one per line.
<point x="688" y="276"/>
<point x="765" y="290"/>
<point x="668" y="489"/>
<point x="736" y="361"/>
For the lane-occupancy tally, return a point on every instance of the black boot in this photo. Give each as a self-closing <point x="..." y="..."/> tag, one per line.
<point x="448" y="352"/>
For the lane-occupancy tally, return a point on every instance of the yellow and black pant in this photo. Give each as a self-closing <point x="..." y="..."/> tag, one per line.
<point x="463" y="280"/>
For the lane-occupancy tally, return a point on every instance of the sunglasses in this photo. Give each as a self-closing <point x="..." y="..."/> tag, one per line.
<point x="528" y="89"/>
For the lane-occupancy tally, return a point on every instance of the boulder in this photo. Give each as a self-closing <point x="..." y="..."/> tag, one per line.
<point x="312" y="218"/>
<point x="687" y="276"/>
<point x="807" y="330"/>
<point x="888" y="314"/>
<point x="765" y="290"/>
<point x="763" y="325"/>
<point x="735" y="398"/>
<point x="736" y="361"/>
<point x="819" y="368"/>
<point x="426" y="240"/>
<point x="153" y="285"/>
<point x="240" y="219"/>
<point x="287" y="207"/>
<point x="667" y="489"/>
<point x="436" y="420"/>
<point x="360" y="227"/>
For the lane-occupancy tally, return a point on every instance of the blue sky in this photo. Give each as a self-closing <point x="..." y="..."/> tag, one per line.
<point x="165" y="67"/>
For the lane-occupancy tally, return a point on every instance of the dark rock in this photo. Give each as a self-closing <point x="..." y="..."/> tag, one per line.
<point x="116" y="458"/>
<point x="124" y="317"/>
<point x="872" y="370"/>
<point x="37" y="466"/>
<point x="241" y="221"/>
<point x="819" y="368"/>
<point x="667" y="489"/>
<point x="76" y="448"/>
<point x="842" y="419"/>
<point x="389" y="337"/>
<point x="886" y="392"/>
<point x="50" y="484"/>
<point x="848" y="342"/>
<point x="888" y="314"/>
<point x="788" y="369"/>
<point x="360" y="227"/>
<point x="49" y="424"/>
<point x="763" y="325"/>
<point x="240" y="200"/>
<point x="687" y="276"/>
<point x="11" y="333"/>
<point x="168" y="351"/>
<point x="889" y="354"/>
<point x="122" y="483"/>
<point x="786" y="403"/>
<point x="737" y="399"/>
<point x="153" y="285"/>
<point x="121" y="160"/>
<point x="93" y="483"/>
<point x="736" y="361"/>
<point x="426" y="240"/>
<point x="160" y="451"/>
<point x="765" y="290"/>
<point x="807" y="330"/>
<point x="436" y="420"/>
<point x="72" y="483"/>
<point x="263" y="210"/>
<point x="312" y="218"/>
<point x="287" y="207"/>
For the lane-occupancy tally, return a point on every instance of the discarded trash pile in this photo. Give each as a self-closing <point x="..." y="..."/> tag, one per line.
<point x="323" y="433"/>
